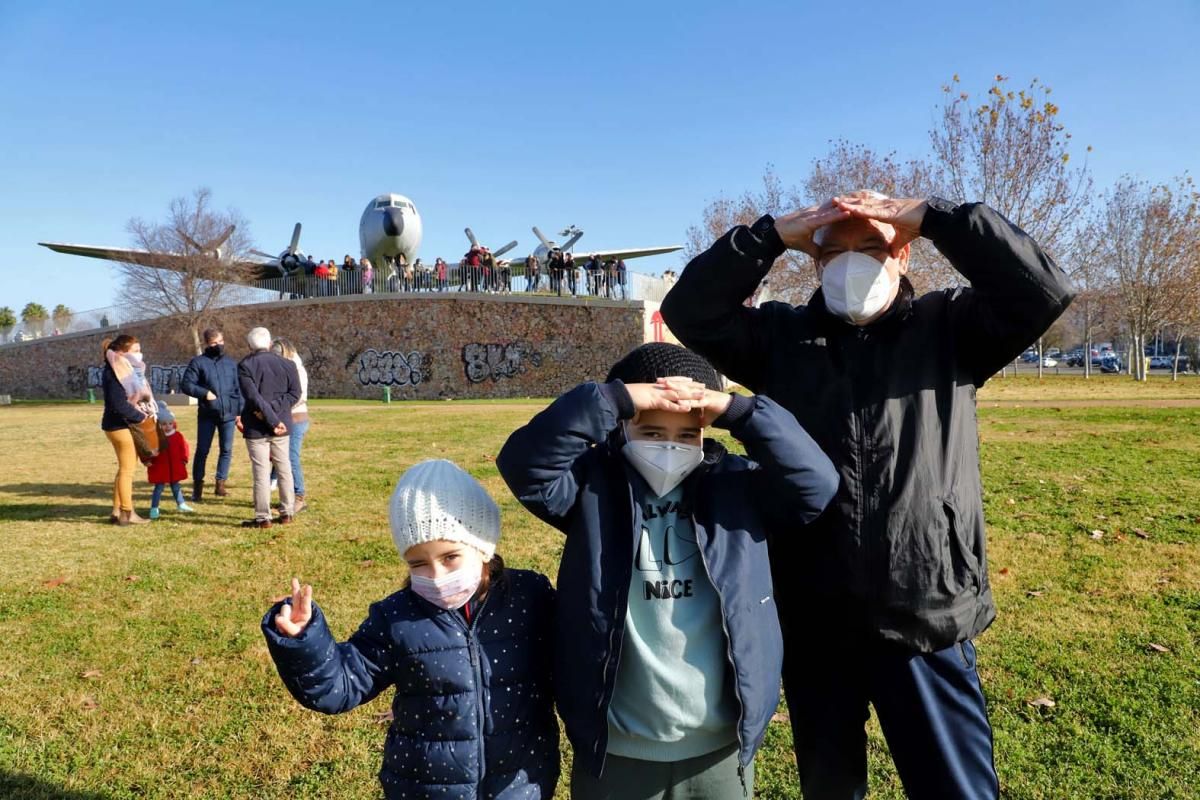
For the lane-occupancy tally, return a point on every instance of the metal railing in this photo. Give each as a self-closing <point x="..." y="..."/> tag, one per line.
<point x="608" y="284"/>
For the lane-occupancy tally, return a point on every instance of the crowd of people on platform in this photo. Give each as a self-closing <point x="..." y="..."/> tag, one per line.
<point x="478" y="271"/>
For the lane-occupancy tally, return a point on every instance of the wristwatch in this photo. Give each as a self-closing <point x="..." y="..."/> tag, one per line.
<point x="938" y="212"/>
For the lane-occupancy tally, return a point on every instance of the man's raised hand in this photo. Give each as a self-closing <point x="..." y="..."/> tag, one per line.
<point x="294" y="617"/>
<point x="796" y="229"/>
<point x="905" y="215"/>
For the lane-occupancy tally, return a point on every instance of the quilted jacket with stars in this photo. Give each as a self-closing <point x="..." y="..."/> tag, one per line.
<point x="473" y="709"/>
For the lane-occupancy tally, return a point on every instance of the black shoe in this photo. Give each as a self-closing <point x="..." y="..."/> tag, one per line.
<point x="256" y="523"/>
<point x="197" y="491"/>
<point x="285" y="519"/>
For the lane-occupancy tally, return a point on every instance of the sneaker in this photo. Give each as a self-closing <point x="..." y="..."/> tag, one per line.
<point x="186" y="509"/>
<point x="285" y="519"/>
<point x="154" y="513"/>
<point x="256" y="523"/>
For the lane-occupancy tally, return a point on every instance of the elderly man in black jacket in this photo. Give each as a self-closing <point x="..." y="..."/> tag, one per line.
<point x="212" y="378"/>
<point x="271" y="386"/>
<point x="887" y="589"/>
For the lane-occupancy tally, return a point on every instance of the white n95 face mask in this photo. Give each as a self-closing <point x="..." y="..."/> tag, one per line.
<point x="450" y="591"/>
<point x="663" y="465"/>
<point x="856" y="287"/>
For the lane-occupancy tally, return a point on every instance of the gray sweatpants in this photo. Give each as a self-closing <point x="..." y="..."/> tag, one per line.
<point x="263" y="454"/>
<point x="712" y="776"/>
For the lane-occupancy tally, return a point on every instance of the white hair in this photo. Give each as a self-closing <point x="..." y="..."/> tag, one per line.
<point x="259" y="339"/>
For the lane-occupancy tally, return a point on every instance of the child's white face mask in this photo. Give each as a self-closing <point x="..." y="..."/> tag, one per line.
<point x="663" y="465"/>
<point x="452" y="590"/>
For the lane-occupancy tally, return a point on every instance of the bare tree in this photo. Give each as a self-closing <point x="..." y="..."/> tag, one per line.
<point x="1147" y="240"/>
<point x="1012" y="153"/>
<point x="791" y="276"/>
<point x="194" y="259"/>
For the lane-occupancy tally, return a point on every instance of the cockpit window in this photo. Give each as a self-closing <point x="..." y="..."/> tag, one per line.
<point x="381" y="203"/>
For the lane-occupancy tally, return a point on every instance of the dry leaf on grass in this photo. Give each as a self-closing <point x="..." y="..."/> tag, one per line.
<point x="89" y="704"/>
<point x="1158" y="648"/>
<point x="54" y="583"/>
<point x="1042" y="702"/>
<point x="781" y="717"/>
<point x="91" y="673"/>
<point x="1004" y="571"/>
<point x="197" y="661"/>
<point x="385" y="718"/>
<point x="1141" y="534"/>
<point x="132" y="578"/>
<point x="1097" y="534"/>
<point x="1035" y="593"/>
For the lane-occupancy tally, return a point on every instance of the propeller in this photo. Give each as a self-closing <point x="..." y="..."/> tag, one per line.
<point x="495" y="253"/>
<point x="213" y="246"/>
<point x="292" y="249"/>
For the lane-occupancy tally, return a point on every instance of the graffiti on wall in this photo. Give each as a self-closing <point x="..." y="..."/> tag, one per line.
<point x="165" y="380"/>
<point x="393" y="368"/>
<point x="496" y="360"/>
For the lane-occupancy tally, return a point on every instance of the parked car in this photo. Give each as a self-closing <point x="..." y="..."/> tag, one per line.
<point x="1054" y="352"/>
<point x="1049" y="362"/>
<point x="1029" y="356"/>
<point x="1110" y="365"/>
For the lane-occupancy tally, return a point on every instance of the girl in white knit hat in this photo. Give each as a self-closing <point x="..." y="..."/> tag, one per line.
<point x="466" y="645"/>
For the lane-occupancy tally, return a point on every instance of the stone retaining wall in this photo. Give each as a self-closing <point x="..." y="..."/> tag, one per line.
<point x="422" y="346"/>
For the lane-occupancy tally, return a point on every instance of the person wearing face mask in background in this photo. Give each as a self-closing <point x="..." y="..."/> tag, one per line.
<point x="668" y="650"/>
<point x="466" y="645"/>
<point x="212" y="378"/>
<point x="892" y="580"/>
<point x="126" y="404"/>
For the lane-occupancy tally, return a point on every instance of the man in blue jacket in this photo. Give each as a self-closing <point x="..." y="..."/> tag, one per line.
<point x="668" y="650"/>
<point x="889" y="587"/>
<point x="211" y="378"/>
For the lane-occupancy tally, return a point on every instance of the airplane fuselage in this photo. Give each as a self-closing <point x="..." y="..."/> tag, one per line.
<point x="390" y="225"/>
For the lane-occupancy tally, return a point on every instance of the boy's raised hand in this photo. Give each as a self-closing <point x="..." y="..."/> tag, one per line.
<point x="711" y="404"/>
<point x="293" y="618"/>
<point x="677" y="395"/>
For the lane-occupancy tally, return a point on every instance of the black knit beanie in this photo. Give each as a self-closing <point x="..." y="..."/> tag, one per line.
<point x="654" y="360"/>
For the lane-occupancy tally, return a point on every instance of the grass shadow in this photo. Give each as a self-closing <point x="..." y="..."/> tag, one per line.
<point x="27" y="787"/>
<point x="35" y="512"/>
<point x="85" y="491"/>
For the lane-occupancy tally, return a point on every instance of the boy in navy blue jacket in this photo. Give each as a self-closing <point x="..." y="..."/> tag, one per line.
<point x="668" y="648"/>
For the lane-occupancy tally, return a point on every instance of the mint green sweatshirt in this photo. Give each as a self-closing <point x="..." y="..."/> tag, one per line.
<point x="674" y="696"/>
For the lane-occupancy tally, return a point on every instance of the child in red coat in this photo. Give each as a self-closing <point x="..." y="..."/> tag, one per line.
<point x="170" y="465"/>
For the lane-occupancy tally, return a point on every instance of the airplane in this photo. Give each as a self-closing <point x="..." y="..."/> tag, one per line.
<point x="390" y="226"/>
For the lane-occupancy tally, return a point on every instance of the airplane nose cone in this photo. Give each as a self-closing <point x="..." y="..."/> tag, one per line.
<point x="393" y="222"/>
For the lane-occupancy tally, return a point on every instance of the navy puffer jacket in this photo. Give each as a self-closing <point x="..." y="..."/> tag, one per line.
<point x="566" y="467"/>
<point x="474" y="714"/>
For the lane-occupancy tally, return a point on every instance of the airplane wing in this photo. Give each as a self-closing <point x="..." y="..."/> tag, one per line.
<point x="582" y="254"/>
<point x="266" y="269"/>
<point x="640" y="252"/>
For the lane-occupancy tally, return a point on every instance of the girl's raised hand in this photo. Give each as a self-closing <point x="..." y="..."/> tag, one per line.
<point x="294" y="617"/>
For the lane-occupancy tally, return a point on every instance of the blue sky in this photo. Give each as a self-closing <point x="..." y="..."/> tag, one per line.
<point x="625" y="121"/>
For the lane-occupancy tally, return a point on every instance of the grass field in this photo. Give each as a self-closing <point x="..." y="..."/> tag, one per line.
<point x="133" y="665"/>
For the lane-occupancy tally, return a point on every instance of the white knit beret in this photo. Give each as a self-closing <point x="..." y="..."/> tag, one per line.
<point x="437" y="500"/>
